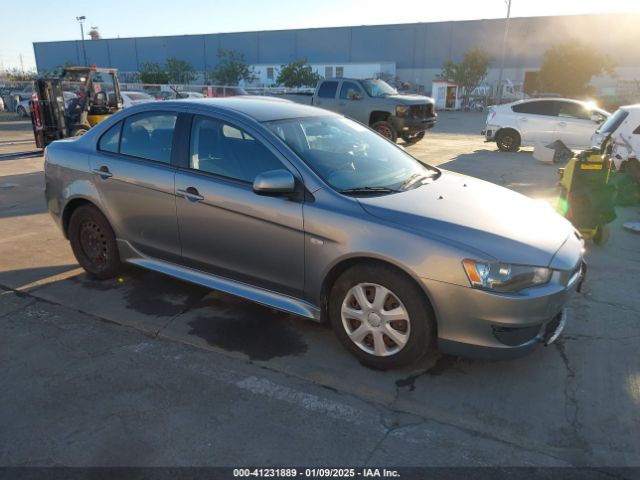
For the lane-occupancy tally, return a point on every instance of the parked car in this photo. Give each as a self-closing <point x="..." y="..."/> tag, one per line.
<point x="228" y="91"/>
<point x="134" y="98"/>
<point x="22" y="108"/>
<point x="183" y="95"/>
<point x="23" y="93"/>
<point x="531" y="121"/>
<point x="623" y="128"/>
<point x="377" y="104"/>
<point x="309" y="212"/>
<point x="1" y="104"/>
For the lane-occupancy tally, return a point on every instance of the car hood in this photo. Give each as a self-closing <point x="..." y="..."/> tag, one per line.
<point x="503" y="224"/>
<point x="410" y="99"/>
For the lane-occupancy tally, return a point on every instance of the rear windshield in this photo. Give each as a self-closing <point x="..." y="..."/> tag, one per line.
<point x="613" y="122"/>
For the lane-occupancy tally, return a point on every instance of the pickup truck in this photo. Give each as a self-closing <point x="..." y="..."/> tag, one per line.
<point x="375" y="103"/>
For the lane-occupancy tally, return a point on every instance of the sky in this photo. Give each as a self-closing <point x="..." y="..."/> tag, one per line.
<point x="127" y="18"/>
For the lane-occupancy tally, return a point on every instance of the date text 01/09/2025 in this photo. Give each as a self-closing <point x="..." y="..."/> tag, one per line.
<point x="315" y="473"/>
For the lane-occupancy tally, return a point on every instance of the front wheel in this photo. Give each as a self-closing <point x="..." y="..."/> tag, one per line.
<point x="21" y="111"/>
<point x="386" y="130"/>
<point x="94" y="243"/>
<point x="381" y="316"/>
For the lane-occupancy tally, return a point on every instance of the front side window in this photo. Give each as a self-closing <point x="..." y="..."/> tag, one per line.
<point x="328" y="90"/>
<point x="110" y="140"/>
<point x="349" y="91"/>
<point x="228" y="151"/>
<point x="573" y="110"/>
<point x="350" y="157"/>
<point x="149" y="136"/>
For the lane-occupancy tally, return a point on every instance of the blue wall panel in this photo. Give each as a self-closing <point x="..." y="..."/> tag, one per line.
<point x="123" y="54"/>
<point x="277" y="47"/>
<point x="188" y="48"/>
<point x="324" y="44"/>
<point x="425" y="45"/>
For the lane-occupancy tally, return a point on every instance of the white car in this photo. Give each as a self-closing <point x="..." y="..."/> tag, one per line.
<point x="134" y="98"/>
<point x="543" y="121"/>
<point x="624" y="128"/>
<point x="22" y="108"/>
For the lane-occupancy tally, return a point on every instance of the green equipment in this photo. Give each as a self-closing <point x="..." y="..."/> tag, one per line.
<point x="586" y="196"/>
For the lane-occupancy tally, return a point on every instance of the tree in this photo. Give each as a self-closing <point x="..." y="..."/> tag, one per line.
<point x="297" y="74"/>
<point x="231" y="68"/>
<point x="17" y="75"/>
<point x="568" y="68"/>
<point x="470" y="72"/>
<point x="179" y="71"/>
<point x="151" y="72"/>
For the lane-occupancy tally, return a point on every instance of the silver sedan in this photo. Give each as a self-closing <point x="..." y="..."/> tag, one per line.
<point x="311" y="213"/>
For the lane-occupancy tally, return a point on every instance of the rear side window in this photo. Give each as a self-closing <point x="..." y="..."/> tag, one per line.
<point x="613" y="122"/>
<point x="149" y="136"/>
<point x="328" y="90"/>
<point x="110" y="140"/>
<point x="541" y="107"/>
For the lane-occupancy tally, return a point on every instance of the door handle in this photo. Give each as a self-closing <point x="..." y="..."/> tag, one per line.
<point x="103" y="171"/>
<point x="342" y="104"/>
<point x="523" y="119"/>
<point x="190" y="194"/>
<point x="562" y="124"/>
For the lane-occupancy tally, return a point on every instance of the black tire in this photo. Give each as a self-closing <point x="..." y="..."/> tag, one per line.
<point x="386" y="130"/>
<point x="21" y="111"/>
<point x="508" y="140"/>
<point x="94" y="243"/>
<point x="419" y="326"/>
<point x="413" y="139"/>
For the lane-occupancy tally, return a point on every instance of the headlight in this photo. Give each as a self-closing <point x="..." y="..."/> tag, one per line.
<point x="505" y="278"/>
<point x="402" y="110"/>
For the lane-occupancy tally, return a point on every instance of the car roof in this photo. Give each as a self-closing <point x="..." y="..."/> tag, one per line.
<point x="262" y="109"/>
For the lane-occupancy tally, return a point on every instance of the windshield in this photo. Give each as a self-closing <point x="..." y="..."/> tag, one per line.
<point x="138" y="96"/>
<point x="613" y="122"/>
<point x="378" y="88"/>
<point x="349" y="156"/>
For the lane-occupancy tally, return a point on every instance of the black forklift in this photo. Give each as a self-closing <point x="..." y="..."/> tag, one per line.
<point x="69" y="105"/>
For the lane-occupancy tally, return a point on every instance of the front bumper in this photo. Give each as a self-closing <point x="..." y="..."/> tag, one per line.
<point x="489" y="132"/>
<point x="481" y="324"/>
<point x="413" y="125"/>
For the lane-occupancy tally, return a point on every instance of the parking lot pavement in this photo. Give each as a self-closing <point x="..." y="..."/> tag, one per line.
<point x="148" y="370"/>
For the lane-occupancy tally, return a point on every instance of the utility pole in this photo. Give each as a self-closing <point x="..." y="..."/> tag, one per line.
<point x="21" y="64"/>
<point x="504" y="48"/>
<point x="84" y="50"/>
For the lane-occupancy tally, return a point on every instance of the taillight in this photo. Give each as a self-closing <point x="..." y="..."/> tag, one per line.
<point x="36" y="111"/>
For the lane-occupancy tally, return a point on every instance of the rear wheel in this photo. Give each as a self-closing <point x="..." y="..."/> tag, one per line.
<point x="21" y="111"/>
<point x="386" y="130"/>
<point x="94" y="243"/>
<point x="508" y="140"/>
<point x="381" y="316"/>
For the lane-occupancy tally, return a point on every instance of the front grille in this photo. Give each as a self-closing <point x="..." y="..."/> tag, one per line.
<point x="421" y="111"/>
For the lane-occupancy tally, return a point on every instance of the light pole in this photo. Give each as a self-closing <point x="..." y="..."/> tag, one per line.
<point x="84" y="50"/>
<point x="504" y="47"/>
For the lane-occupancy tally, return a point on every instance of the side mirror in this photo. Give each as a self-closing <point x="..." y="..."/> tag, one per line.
<point x="274" y="182"/>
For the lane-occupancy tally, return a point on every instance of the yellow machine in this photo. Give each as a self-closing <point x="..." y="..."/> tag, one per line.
<point x="69" y="105"/>
<point x="586" y="197"/>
